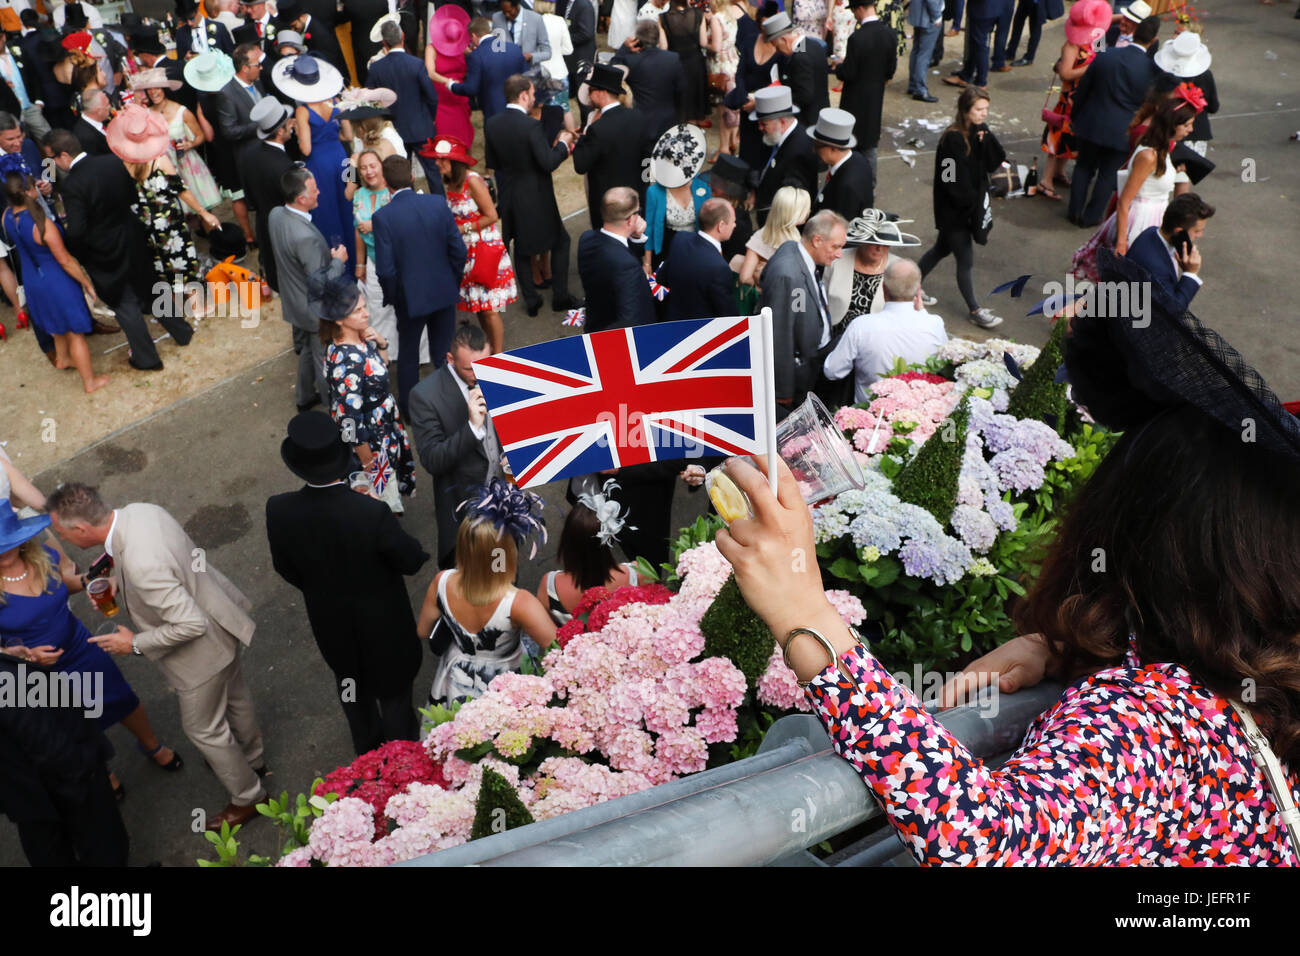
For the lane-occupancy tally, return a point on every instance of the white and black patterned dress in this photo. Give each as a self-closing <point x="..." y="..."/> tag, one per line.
<point x="467" y="661"/>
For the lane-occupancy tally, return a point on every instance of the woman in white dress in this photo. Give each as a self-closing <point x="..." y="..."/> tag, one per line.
<point x="622" y="23"/>
<point x="1145" y="191"/>
<point x="476" y="620"/>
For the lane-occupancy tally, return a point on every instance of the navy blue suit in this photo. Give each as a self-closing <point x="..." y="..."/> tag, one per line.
<point x="487" y="67"/>
<point x="1107" y="96"/>
<point x="419" y="258"/>
<point x="700" y="283"/>
<point x="415" y="112"/>
<point x="618" y="294"/>
<point x="981" y="18"/>
<point x="1174" y="293"/>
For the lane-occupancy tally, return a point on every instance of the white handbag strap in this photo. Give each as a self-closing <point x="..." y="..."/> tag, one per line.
<point x="1271" y="768"/>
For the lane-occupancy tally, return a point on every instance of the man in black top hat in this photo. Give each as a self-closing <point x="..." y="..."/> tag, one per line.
<point x="870" y="60"/>
<point x="613" y="149"/>
<point x="348" y="555"/>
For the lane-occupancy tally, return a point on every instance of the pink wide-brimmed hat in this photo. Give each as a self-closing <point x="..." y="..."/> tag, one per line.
<point x="1088" y="22"/>
<point x="137" y="135"/>
<point x="449" y="30"/>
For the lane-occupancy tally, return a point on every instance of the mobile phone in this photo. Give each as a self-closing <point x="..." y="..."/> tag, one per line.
<point x="101" y="566"/>
<point x="1181" y="242"/>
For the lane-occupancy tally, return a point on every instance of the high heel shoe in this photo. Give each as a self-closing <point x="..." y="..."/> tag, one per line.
<point x="171" y="766"/>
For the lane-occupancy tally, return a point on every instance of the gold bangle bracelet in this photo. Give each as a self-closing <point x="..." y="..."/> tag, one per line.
<point x="826" y="644"/>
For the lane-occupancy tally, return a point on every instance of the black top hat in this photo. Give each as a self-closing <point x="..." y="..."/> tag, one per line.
<point x="74" y="18"/>
<point x="145" y="40"/>
<point x="52" y="50"/>
<point x="246" y="33"/>
<point x="314" y="449"/>
<point x="129" y="22"/>
<point x="733" y="169"/>
<point x="607" y="78"/>
<point x="288" y="10"/>
<point x="332" y="296"/>
<point x="227" y="241"/>
<point x="1126" y="370"/>
<point x="185" y="9"/>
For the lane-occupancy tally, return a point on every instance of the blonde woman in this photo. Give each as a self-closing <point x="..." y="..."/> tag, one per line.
<point x="474" y="616"/>
<point x="790" y="208"/>
<point x="723" y="61"/>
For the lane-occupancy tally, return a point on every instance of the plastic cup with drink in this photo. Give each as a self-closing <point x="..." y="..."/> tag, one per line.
<point x="100" y="592"/>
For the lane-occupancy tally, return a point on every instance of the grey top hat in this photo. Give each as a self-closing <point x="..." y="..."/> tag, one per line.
<point x="834" y="128"/>
<point x="773" y="102"/>
<point x="290" y="38"/>
<point x="269" y="114"/>
<point x="777" y="26"/>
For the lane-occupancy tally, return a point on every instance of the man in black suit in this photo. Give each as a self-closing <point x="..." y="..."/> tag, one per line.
<point x="1174" y="270"/>
<point x="89" y="128"/>
<point x="415" y="112"/>
<point x="730" y="180"/>
<point x="348" y="555"/>
<point x="1108" y="94"/>
<point x="198" y="34"/>
<point x="109" y="241"/>
<point x="453" y="434"/>
<point x="235" y="129"/>
<point x="655" y="76"/>
<point x="848" y="188"/>
<point x="363" y="15"/>
<point x="517" y="149"/>
<point x="700" y="283"/>
<point x="613" y="148"/>
<point x="262" y="163"/>
<point x="315" y="20"/>
<point x="792" y="161"/>
<point x="610" y="266"/>
<point x="869" y="63"/>
<point x="580" y="15"/>
<point x="805" y="67"/>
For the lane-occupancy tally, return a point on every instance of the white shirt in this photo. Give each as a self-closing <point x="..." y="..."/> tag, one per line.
<point x="328" y="484"/>
<point x="712" y="241"/>
<point x="812" y="274"/>
<point x="557" y="34"/>
<point x="873" y="342"/>
<point x="76" y="159"/>
<point x="108" y="542"/>
<point x="93" y="122"/>
<point x="516" y="106"/>
<point x="1173" y="256"/>
<point x="278" y="145"/>
<point x="199" y="36"/>
<point x="297" y="211"/>
<point x="614" y="235"/>
<point x="479" y="431"/>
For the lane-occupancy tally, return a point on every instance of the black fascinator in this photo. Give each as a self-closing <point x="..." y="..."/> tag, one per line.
<point x="332" y="294"/>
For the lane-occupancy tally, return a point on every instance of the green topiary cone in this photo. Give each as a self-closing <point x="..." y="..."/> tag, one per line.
<point x="498" y="807"/>
<point x="929" y="480"/>
<point x="1039" y="395"/>
<point x="732" y="630"/>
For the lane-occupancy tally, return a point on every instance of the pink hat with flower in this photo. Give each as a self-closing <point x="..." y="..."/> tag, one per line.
<point x="137" y="135"/>
<point x="1088" y="22"/>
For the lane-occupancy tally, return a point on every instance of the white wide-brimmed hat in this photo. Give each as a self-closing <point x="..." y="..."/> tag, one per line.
<point x="834" y="128"/>
<point x="1185" y="56"/>
<point x="875" y="228"/>
<point x="306" y="79"/>
<point x="375" y="34"/>
<point x="678" y="155"/>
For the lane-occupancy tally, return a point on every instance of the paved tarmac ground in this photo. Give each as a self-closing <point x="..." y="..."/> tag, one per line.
<point x="212" y="460"/>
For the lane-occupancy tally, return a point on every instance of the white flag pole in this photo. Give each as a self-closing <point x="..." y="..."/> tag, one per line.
<point x="769" y="376"/>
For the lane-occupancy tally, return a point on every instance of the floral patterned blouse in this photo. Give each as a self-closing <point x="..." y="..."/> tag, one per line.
<point x="359" y="393"/>
<point x="175" y="260"/>
<point x="1136" y="765"/>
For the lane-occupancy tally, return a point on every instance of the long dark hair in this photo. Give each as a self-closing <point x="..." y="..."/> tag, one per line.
<point x="16" y="186"/>
<point x="1187" y="537"/>
<point x="581" y="554"/>
<point x="1165" y="121"/>
<point x="960" y="124"/>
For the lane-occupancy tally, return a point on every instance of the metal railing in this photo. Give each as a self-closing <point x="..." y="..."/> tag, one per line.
<point x="765" y="810"/>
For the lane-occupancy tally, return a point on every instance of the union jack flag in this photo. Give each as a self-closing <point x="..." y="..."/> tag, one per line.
<point x="623" y="397"/>
<point x="381" y="471"/>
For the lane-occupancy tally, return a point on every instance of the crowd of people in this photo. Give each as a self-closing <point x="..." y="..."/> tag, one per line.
<point x="354" y="178"/>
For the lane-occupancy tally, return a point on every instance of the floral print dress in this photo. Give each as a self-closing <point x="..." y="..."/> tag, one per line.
<point x="475" y="297"/>
<point x="360" y="394"/>
<point x="175" y="260"/>
<point x="1137" y="764"/>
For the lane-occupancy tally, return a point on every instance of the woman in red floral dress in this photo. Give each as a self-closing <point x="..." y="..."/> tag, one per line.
<point x="489" y="282"/>
<point x="1087" y="22"/>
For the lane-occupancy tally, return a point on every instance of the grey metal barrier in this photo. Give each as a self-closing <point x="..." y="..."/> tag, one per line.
<point x="766" y="810"/>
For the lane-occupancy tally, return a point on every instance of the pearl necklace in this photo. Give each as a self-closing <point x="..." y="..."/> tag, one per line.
<point x="19" y="578"/>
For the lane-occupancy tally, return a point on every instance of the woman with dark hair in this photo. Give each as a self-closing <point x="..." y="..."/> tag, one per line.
<point x="1146" y="185"/>
<point x="54" y="282"/>
<point x="1175" y="649"/>
<point x="968" y="153"/>
<point x="586" y="554"/>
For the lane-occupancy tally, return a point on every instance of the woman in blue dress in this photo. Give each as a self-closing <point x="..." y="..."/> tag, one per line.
<point x="54" y="282"/>
<point x="37" y="625"/>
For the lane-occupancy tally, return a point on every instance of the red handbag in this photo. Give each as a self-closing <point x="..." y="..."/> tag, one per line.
<point x="1051" y="117"/>
<point x="487" y="263"/>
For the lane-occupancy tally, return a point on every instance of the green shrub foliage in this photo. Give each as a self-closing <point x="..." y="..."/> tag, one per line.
<point x="929" y="480"/>
<point x="732" y="630"/>
<point x="498" y="807"/>
<point x="1039" y="395"/>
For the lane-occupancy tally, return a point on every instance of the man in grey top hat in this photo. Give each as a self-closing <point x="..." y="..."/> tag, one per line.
<point x="261" y="164"/>
<point x="849" y="186"/>
<point x="805" y="67"/>
<point x="792" y="161"/>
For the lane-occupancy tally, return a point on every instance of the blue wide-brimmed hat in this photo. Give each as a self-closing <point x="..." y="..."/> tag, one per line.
<point x="15" y="530"/>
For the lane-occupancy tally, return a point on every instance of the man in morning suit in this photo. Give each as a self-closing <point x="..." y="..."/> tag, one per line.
<point x="453" y="434"/>
<point x="1107" y="96"/>
<point x="315" y="20"/>
<point x="801" y="320"/>
<point x="89" y="128"/>
<point x="805" y="67"/>
<point x="236" y="100"/>
<point x="192" y="623"/>
<point x="262" y="164"/>
<point x="610" y="266"/>
<point x="524" y="28"/>
<point x="300" y="250"/>
<point x="110" y="242"/>
<point x="348" y="555"/>
<point x="848" y="189"/>
<point x="419" y="258"/>
<point x="415" y="112"/>
<point x="792" y="161"/>
<point x="198" y="34"/>
<point x="655" y="76"/>
<point x="580" y="15"/>
<point x="870" y="60"/>
<point x="493" y="60"/>
<point x="613" y="147"/>
<point x="363" y="15"/>
<point x="1176" y="272"/>
<point x="517" y="149"/>
<point x="700" y="283"/>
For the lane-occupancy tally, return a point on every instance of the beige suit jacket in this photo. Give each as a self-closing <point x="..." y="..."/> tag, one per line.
<point x="191" y="618"/>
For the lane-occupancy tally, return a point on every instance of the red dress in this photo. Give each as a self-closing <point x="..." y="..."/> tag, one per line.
<point x="453" y="111"/>
<point x="474" y="296"/>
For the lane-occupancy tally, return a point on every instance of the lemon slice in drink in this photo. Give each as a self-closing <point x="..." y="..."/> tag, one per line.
<point x="731" y="502"/>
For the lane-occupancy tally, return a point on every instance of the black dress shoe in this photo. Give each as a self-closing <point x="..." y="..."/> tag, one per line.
<point x="534" y="308"/>
<point x="188" y="336"/>
<point x="544" y="284"/>
<point x="1023" y="61"/>
<point x="309" y="405"/>
<point x="564" y="305"/>
<point x="145" y="368"/>
<point x="925" y="98"/>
